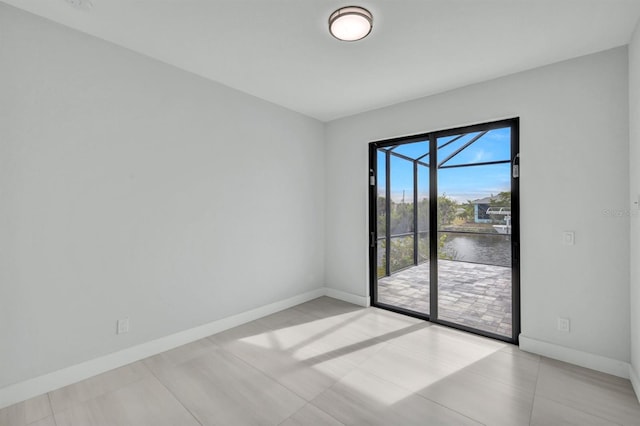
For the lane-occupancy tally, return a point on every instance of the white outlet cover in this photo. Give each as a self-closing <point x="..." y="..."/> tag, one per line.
<point x="564" y="324"/>
<point x="568" y="238"/>
<point x="123" y="326"/>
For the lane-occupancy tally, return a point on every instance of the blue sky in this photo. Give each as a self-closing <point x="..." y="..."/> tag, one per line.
<point x="461" y="184"/>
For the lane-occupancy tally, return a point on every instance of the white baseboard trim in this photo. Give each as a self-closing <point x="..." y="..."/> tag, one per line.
<point x="27" y="389"/>
<point x="573" y="356"/>
<point x="348" y="297"/>
<point x="635" y="381"/>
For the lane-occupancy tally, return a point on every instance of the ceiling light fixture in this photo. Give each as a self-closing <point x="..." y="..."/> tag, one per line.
<point x="350" y="23"/>
<point x="81" y="4"/>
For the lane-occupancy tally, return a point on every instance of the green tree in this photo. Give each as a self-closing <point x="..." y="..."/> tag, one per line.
<point x="469" y="211"/>
<point x="401" y="253"/>
<point x="503" y="199"/>
<point x="382" y="215"/>
<point x="447" y="208"/>
<point x="423" y="214"/>
<point x="401" y="218"/>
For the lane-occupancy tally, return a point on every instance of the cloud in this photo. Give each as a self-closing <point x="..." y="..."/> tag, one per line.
<point x="481" y="156"/>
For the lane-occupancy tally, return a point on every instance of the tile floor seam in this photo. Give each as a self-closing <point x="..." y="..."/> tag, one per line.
<point x="77" y="403"/>
<point x="380" y="343"/>
<point x="518" y="352"/>
<point x="312" y="314"/>
<point x="282" y="422"/>
<point x="55" y="422"/>
<point x="324" y="391"/>
<point x="269" y="376"/>
<point x="328" y="414"/>
<point x="284" y="324"/>
<point x="483" y="377"/>
<point x="473" y="373"/>
<point x="501" y="380"/>
<point x="416" y="393"/>
<point x="334" y="380"/>
<point x="574" y="408"/>
<point x="174" y="396"/>
<point x="535" y="389"/>
<point x="316" y="407"/>
<point x="449" y="408"/>
<point x="247" y="365"/>
<point x="572" y="369"/>
<point x="279" y="424"/>
<point x="532" y="393"/>
<point x="277" y="380"/>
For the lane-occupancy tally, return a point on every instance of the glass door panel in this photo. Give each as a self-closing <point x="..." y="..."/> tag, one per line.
<point x="474" y="237"/>
<point x="402" y="217"/>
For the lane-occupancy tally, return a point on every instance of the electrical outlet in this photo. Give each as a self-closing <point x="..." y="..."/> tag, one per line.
<point x="568" y="238"/>
<point x="123" y="326"/>
<point x="564" y="324"/>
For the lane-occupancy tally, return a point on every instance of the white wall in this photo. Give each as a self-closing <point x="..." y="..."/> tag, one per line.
<point x="131" y="188"/>
<point x="634" y="157"/>
<point x="574" y="148"/>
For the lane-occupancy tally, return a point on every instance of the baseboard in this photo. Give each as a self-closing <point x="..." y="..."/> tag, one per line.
<point x="347" y="297"/>
<point x="635" y="381"/>
<point x="573" y="356"/>
<point x="27" y="389"/>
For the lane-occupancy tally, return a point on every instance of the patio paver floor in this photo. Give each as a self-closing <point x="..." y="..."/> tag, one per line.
<point x="470" y="294"/>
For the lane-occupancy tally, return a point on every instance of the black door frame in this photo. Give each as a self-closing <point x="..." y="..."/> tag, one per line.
<point x="514" y="124"/>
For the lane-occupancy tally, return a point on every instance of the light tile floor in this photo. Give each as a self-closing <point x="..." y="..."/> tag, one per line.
<point x="326" y="362"/>
<point x="471" y="294"/>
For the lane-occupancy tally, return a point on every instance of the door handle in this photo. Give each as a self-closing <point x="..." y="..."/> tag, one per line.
<point x="516" y="166"/>
<point x="372" y="240"/>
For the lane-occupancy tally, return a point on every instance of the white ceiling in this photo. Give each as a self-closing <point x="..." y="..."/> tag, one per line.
<point x="281" y="51"/>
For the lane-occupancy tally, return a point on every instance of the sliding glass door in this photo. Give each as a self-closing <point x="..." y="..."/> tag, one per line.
<point x="444" y="227"/>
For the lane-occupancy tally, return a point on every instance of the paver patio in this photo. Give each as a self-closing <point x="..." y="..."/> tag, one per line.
<point x="471" y="294"/>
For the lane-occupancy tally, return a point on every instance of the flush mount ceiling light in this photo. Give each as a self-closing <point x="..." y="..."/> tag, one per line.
<point x="350" y="23"/>
<point x="81" y="4"/>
